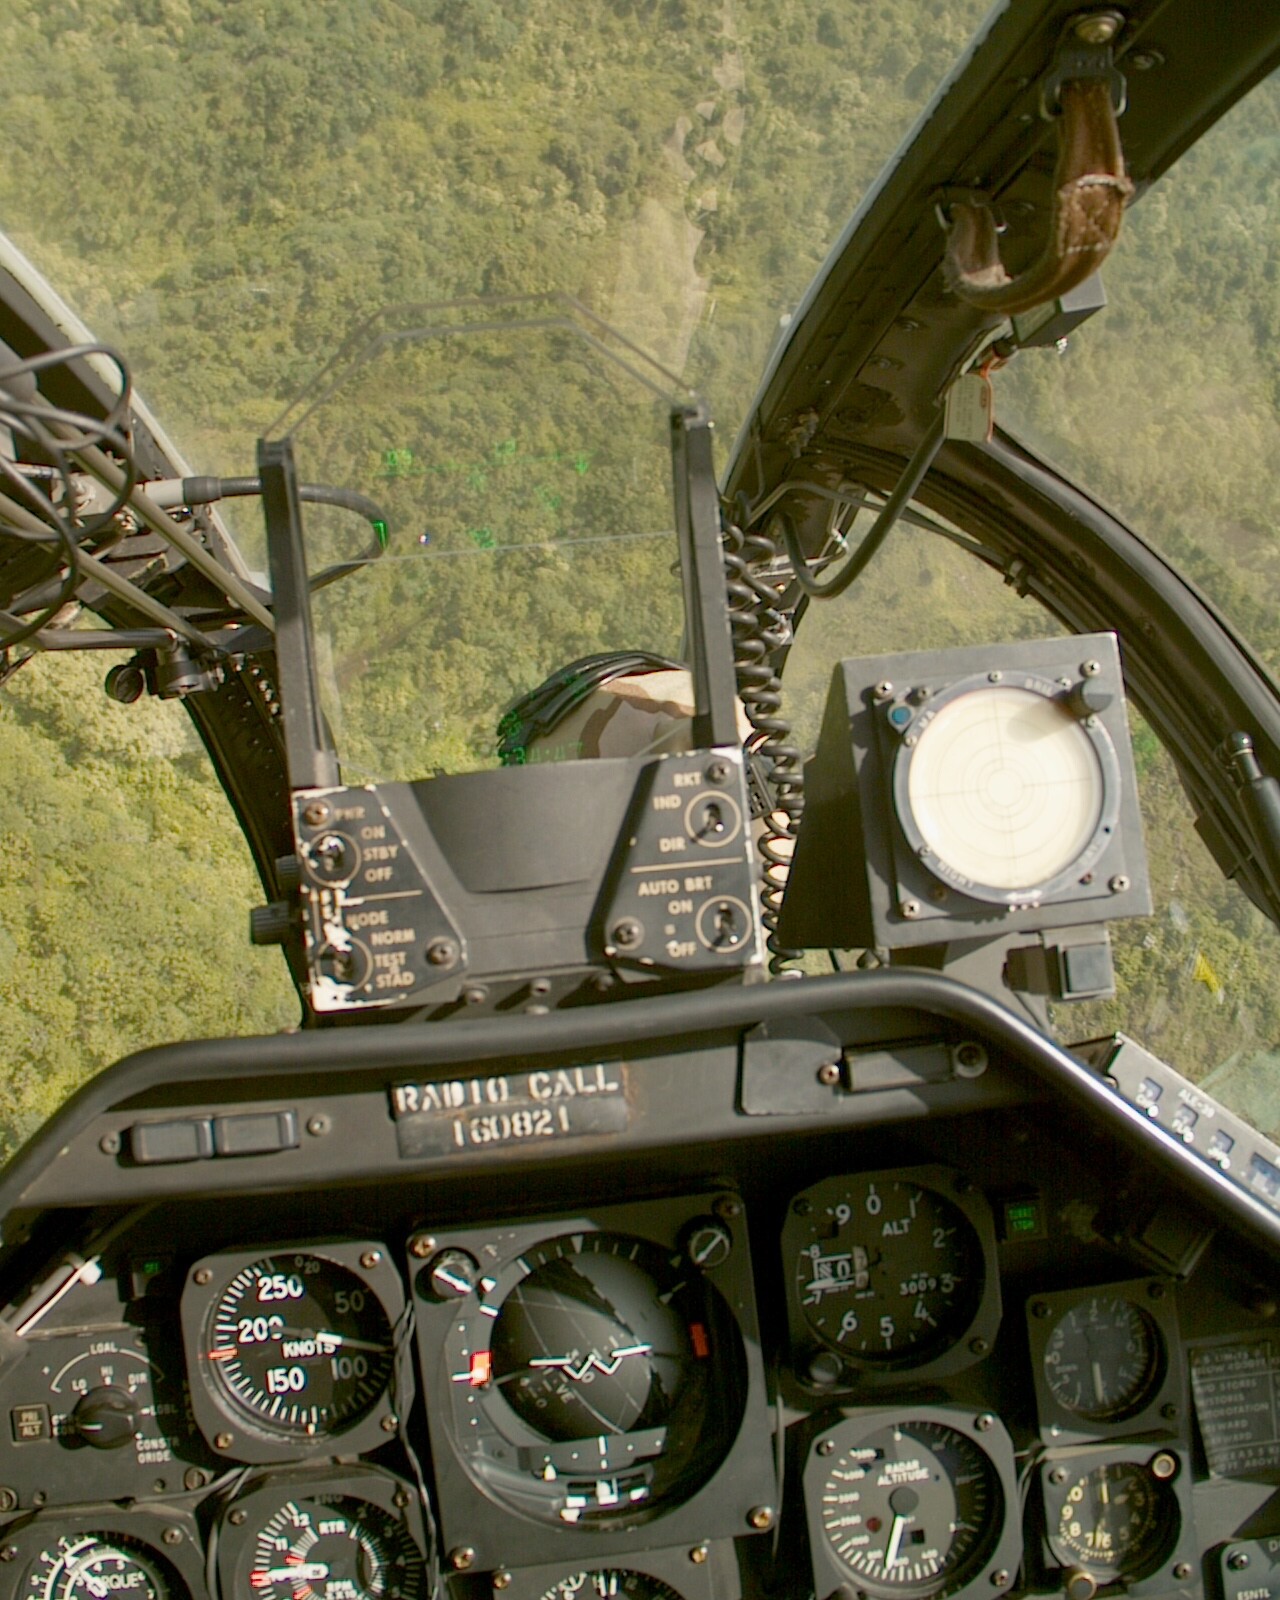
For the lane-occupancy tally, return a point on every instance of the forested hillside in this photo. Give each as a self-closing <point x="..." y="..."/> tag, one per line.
<point x="225" y="189"/>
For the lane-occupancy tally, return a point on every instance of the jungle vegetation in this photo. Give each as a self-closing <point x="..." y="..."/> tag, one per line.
<point x="223" y="190"/>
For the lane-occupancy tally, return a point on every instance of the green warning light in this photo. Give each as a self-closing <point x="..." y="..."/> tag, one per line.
<point x="1021" y="1219"/>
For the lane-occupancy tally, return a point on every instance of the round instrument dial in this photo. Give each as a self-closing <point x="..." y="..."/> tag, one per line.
<point x="599" y="1337"/>
<point x="911" y="1509"/>
<point x="334" y="1547"/>
<point x="888" y="1271"/>
<point x="1116" y="1521"/>
<point x="595" y="1377"/>
<point x="1103" y="1359"/>
<point x="611" y="1583"/>
<point x="92" y="1566"/>
<point x="299" y="1345"/>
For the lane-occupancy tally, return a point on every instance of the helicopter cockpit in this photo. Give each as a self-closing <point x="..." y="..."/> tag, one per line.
<point x="830" y="1155"/>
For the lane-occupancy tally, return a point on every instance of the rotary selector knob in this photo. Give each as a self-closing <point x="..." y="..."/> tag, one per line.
<point x="453" y="1274"/>
<point x="106" y="1417"/>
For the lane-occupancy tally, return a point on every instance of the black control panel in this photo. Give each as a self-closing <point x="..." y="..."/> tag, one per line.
<point x="856" y="1350"/>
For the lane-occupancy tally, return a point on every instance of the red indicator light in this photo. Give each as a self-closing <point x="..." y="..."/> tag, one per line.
<point x="481" y="1368"/>
<point x="701" y="1344"/>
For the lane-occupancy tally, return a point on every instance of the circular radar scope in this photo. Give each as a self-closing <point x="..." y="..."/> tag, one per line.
<point x="1002" y="791"/>
<point x="292" y="1349"/>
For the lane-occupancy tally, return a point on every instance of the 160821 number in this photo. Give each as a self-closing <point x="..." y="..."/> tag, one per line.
<point x="497" y="1127"/>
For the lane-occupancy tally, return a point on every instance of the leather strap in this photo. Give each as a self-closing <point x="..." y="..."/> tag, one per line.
<point x="1090" y="191"/>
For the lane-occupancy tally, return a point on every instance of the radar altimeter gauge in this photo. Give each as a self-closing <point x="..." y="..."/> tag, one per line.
<point x="593" y="1378"/>
<point x="1101" y="1360"/>
<point x="289" y="1350"/>
<point x="890" y="1271"/>
<point x="342" y="1534"/>
<point x="921" y="1504"/>
<point x="141" y="1554"/>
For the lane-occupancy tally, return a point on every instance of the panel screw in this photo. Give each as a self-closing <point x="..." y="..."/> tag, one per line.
<point x="172" y="1536"/>
<point x="421" y="1245"/>
<point x="316" y="813"/>
<point x="829" y="1074"/>
<point x="994" y="677"/>
<point x="1164" y="1465"/>
<point x="1169" y="1413"/>
<point x="883" y="689"/>
<point x="760" y="1518"/>
<point x="718" y="772"/>
<point x="985" y="1422"/>
<point x="802" y="1208"/>
<point x="203" y="1275"/>
<point x="999" y="1578"/>
<point x="970" y="1059"/>
<point x="1182" y="1569"/>
<point x="727" y="1206"/>
<point x="442" y="952"/>
<point x="1155" y="1291"/>
<point x="1040" y="1309"/>
<point x="1118" y="884"/>
<point x="698" y="1554"/>
<point x="193" y="1478"/>
<point x="237" y="1516"/>
<point x="1144" y="60"/>
<point x="1090" y="669"/>
<point x="8" y="1500"/>
<point x="540" y="986"/>
<point x="1238" y="1560"/>
<point x="826" y="1446"/>
<point x="400" y="1498"/>
<point x="109" y="1144"/>
<point x="979" y="1347"/>
<point x="1058" y="1475"/>
<point x="390" y="1424"/>
<point x="461" y="1557"/>
<point x="318" y="1125"/>
<point x="223" y="1441"/>
<point x="9" y="1553"/>
<point x="910" y="908"/>
<point x="502" y="1579"/>
<point x="370" y="1258"/>
<point x="1100" y="27"/>
<point x="475" y="994"/>
<point x="628" y="932"/>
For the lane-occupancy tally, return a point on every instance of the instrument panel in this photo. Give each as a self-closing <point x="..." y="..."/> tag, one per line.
<point x="910" y="1362"/>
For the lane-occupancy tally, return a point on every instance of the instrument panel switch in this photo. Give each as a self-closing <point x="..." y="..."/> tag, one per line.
<point x="255" y="1133"/>
<point x="185" y="1139"/>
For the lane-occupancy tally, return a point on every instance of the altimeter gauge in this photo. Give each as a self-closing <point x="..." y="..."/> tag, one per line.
<point x="291" y="1349"/>
<point x="921" y="1504"/>
<point x="891" y="1270"/>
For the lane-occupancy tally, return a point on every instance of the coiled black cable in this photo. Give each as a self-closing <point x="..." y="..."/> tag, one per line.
<point x="760" y="628"/>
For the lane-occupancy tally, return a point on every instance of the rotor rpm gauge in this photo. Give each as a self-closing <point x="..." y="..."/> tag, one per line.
<point x="292" y="1349"/>
<point x="892" y="1270"/>
<point x="350" y="1533"/>
<point x="913" y="1506"/>
<point x="611" y="1583"/>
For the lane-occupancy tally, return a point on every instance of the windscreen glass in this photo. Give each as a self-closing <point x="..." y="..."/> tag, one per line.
<point x="227" y="192"/>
